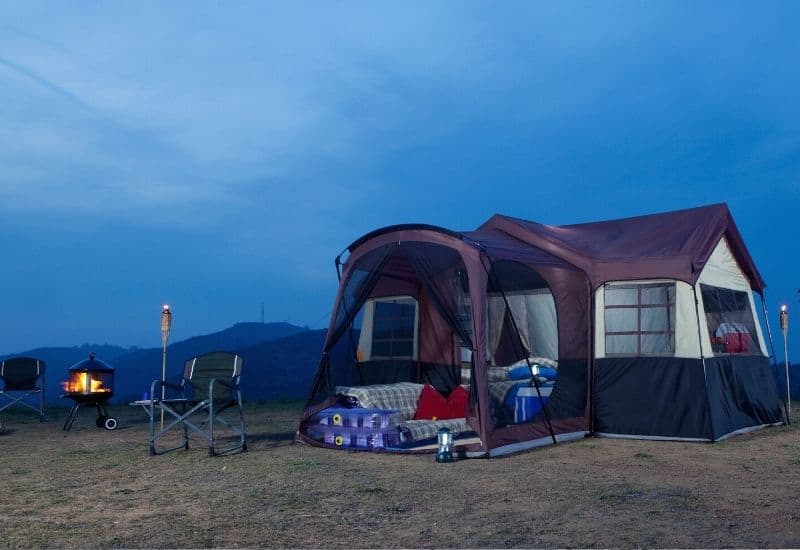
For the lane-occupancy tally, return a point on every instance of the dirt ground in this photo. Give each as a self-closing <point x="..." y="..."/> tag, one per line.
<point x="93" y="488"/>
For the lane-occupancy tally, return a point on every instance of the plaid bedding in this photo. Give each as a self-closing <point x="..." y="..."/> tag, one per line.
<point x="402" y="396"/>
<point x="498" y="390"/>
<point x="420" y="430"/>
<point x="500" y="374"/>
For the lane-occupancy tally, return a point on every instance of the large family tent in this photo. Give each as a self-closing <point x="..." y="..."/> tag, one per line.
<point x="520" y="334"/>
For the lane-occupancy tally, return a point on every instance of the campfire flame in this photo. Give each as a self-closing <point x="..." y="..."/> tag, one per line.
<point x="82" y="382"/>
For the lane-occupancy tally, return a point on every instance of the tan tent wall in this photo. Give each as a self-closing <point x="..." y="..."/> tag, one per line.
<point x="723" y="270"/>
<point x="685" y="319"/>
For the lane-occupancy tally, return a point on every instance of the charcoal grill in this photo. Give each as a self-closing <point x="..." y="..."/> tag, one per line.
<point x="90" y="382"/>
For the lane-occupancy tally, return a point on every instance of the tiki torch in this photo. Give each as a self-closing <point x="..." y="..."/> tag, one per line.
<point x="785" y="330"/>
<point x="166" y="325"/>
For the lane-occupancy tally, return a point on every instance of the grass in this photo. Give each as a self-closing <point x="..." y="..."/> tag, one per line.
<point x="91" y="488"/>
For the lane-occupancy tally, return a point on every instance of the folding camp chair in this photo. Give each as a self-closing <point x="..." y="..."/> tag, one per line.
<point x="22" y="378"/>
<point x="210" y="386"/>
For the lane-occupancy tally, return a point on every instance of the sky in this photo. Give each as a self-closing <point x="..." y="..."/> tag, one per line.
<point x="218" y="155"/>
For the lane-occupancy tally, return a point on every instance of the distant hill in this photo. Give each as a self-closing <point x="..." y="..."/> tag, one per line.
<point x="272" y="352"/>
<point x="239" y="336"/>
<point x="282" y="369"/>
<point x="58" y="360"/>
<point x="273" y="369"/>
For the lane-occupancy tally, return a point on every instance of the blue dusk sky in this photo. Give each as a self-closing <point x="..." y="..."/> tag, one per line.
<point x="217" y="155"/>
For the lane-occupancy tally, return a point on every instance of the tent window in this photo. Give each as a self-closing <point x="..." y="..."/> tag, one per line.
<point x="390" y="329"/>
<point x="640" y="319"/>
<point x="729" y="319"/>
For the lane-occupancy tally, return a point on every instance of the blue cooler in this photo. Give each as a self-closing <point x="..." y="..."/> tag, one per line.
<point x="528" y="404"/>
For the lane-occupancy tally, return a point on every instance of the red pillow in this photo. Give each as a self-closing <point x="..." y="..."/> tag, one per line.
<point x="457" y="402"/>
<point x="433" y="406"/>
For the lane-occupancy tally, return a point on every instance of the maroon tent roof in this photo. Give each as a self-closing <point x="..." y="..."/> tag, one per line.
<point x="671" y="244"/>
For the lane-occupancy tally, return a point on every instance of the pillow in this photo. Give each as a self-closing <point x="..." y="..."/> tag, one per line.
<point x="432" y="405"/>
<point x="457" y="402"/>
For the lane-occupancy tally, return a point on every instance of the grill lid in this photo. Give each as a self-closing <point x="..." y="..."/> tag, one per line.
<point x="91" y="365"/>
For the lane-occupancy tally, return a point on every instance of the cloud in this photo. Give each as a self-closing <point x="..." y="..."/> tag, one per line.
<point x="268" y="137"/>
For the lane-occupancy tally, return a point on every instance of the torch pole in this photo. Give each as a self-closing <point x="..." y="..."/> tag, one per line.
<point x="166" y="325"/>
<point x="784" y="318"/>
<point x="786" y="361"/>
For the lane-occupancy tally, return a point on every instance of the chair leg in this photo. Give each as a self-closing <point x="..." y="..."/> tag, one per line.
<point x="73" y="412"/>
<point x="178" y="420"/>
<point x="211" y="426"/>
<point x="41" y="405"/>
<point x="241" y="423"/>
<point x="152" y="427"/>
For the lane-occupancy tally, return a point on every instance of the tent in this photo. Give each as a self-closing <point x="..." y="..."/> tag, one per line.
<point x="642" y="327"/>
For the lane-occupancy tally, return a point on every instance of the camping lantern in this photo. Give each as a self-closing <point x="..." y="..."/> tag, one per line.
<point x="445" y="439"/>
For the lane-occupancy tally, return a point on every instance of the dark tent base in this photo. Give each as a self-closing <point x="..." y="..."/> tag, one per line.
<point x="684" y="399"/>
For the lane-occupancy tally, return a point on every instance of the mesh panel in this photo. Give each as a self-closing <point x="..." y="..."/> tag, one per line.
<point x="731" y="325"/>
<point x="522" y="319"/>
<point x="391" y="271"/>
<point x="522" y="328"/>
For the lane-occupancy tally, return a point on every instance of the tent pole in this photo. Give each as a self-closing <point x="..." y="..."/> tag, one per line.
<point x="591" y="352"/>
<point x="534" y="378"/>
<point x="337" y="262"/>
<point x="703" y="359"/>
<point x="769" y="328"/>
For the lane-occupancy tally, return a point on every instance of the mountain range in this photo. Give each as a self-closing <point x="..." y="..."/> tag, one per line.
<point x="279" y="360"/>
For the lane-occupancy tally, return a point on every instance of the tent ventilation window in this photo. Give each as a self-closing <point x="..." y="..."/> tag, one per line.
<point x="640" y="319"/>
<point x="729" y="319"/>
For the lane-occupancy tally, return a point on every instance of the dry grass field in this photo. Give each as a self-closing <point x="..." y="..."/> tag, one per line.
<point x="91" y="488"/>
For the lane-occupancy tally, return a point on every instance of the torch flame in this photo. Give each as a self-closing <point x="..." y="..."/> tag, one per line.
<point x="80" y="381"/>
<point x="783" y="307"/>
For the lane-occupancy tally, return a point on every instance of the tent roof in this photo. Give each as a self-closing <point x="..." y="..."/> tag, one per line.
<point x="502" y="246"/>
<point x="671" y="244"/>
<point x="496" y="243"/>
<point x="406" y="227"/>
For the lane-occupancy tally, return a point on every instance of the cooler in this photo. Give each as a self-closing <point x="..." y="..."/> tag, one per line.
<point x="528" y="404"/>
